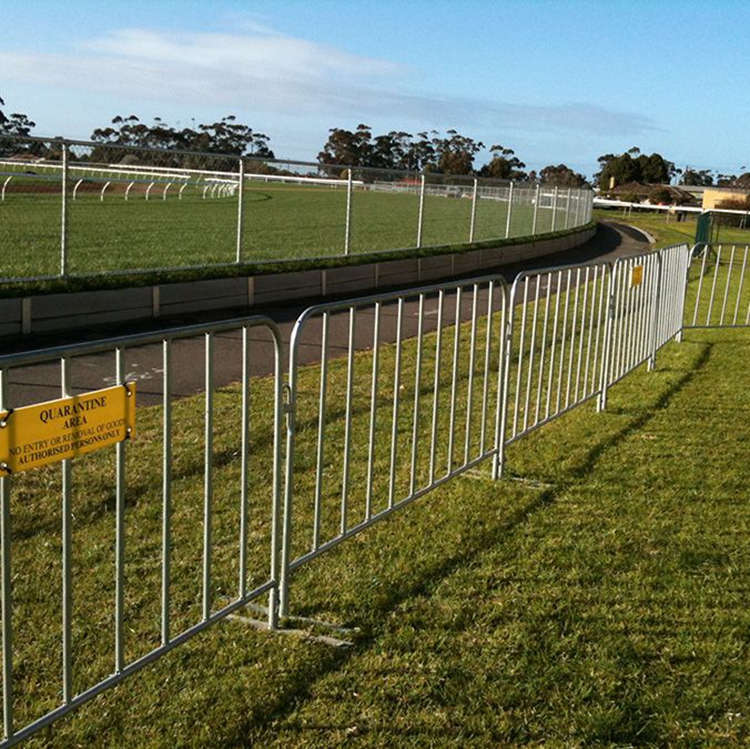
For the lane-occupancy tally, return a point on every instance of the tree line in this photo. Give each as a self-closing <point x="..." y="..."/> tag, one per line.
<point x="432" y="152"/>
<point x="451" y="153"/>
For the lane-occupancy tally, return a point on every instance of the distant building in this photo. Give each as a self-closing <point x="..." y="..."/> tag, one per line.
<point x="712" y="196"/>
<point x="636" y="192"/>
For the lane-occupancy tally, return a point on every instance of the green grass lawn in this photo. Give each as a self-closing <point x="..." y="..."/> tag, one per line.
<point x="667" y="230"/>
<point x="598" y="595"/>
<point x="279" y="222"/>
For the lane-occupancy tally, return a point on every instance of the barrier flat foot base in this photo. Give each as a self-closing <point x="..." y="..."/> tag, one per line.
<point x="303" y="634"/>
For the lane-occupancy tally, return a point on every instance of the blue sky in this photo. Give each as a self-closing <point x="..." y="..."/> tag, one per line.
<point x="556" y="81"/>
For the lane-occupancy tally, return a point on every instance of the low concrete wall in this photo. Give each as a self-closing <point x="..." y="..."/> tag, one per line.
<point x="51" y="312"/>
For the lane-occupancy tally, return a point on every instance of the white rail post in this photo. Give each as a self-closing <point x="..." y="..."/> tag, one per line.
<point x="5" y="184"/>
<point x="64" y="213"/>
<point x="239" y="209"/>
<point x="536" y="209"/>
<point x="101" y="195"/>
<point x="472" y="224"/>
<point x="127" y="189"/>
<point x="75" y="188"/>
<point x="148" y="190"/>
<point x="184" y="185"/>
<point x="567" y="210"/>
<point x="554" y="208"/>
<point x="348" y="227"/>
<point x="510" y="210"/>
<point x="420" y="218"/>
<point x="164" y="194"/>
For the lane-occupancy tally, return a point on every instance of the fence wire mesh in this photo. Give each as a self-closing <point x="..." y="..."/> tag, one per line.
<point x="75" y="208"/>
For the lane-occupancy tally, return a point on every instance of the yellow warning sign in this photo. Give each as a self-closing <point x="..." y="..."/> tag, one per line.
<point x="636" y="277"/>
<point x="49" y="432"/>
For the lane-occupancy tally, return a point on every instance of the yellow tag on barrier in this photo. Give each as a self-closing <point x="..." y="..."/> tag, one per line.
<point x="636" y="278"/>
<point x="44" y="433"/>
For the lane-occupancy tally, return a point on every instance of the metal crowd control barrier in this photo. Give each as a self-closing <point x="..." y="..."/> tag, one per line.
<point x="404" y="392"/>
<point x="646" y="302"/>
<point x="720" y="294"/>
<point x="141" y="600"/>
<point x="381" y="432"/>
<point x="554" y="356"/>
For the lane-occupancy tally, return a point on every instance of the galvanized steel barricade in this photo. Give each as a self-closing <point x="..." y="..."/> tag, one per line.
<point x="369" y="433"/>
<point x="139" y="553"/>
<point x="646" y="302"/>
<point x="718" y="287"/>
<point x="555" y="344"/>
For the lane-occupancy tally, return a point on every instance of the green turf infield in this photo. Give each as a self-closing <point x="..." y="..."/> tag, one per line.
<point x="280" y="222"/>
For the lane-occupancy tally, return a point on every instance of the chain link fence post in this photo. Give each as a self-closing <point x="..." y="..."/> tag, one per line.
<point x="64" y="213"/>
<point x="510" y="210"/>
<point x="472" y="224"/>
<point x="239" y="209"/>
<point x="420" y="218"/>
<point x="348" y="227"/>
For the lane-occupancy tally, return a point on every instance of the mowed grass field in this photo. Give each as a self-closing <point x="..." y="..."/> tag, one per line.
<point x="597" y="595"/>
<point x="279" y="223"/>
<point x="666" y="230"/>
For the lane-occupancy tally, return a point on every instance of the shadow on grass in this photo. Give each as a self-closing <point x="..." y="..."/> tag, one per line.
<point x="371" y="612"/>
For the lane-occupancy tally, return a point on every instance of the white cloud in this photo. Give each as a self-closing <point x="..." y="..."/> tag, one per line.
<point x="258" y="70"/>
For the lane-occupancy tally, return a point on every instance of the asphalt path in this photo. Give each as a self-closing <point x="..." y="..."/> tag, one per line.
<point x="143" y="363"/>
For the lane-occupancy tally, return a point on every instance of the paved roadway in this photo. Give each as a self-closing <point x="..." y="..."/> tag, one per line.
<point x="144" y="363"/>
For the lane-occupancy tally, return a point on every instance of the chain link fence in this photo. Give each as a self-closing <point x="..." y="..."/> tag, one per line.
<point x="81" y="208"/>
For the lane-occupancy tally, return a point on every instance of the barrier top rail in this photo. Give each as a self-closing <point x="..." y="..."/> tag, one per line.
<point x="392" y="296"/>
<point x="36" y="356"/>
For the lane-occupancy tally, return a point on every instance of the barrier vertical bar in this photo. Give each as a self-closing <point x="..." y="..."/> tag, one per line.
<point x="64" y="213"/>
<point x="166" y="512"/>
<point x="654" y="343"/>
<point x="348" y="421"/>
<point x="420" y="219"/>
<point x="348" y="226"/>
<point x="373" y="410"/>
<point x="470" y="382"/>
<point x="510" y="210"/>
<point x="454" y="378"/>
<point x="5" y="592"/>
<point x="436" y="383"/>
<point x="417" y="380"/>
<point x="240" y="193"/>
<point x="66" y="550"/>
<point x="394" y="417"/>
<point x="601" y="403"/>
<point x="503" y="369"/>
<point x="277" y="571"/>
<point x="321" y="431"/>
<point x="245" y="460"/>
<point x="119" y="528"/>
<point x="536" y="209"/>
<point x="486" y="372"/>
<point x="473" y="220"/>
<point x="207" y="474"/>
